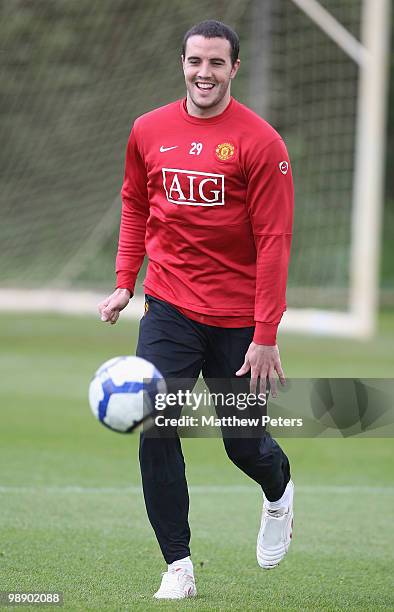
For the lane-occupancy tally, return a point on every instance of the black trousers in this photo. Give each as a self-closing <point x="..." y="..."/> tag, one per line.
<point x="181" y="348"/>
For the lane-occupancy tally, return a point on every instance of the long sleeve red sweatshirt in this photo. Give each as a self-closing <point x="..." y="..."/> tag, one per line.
<point x="210" y="201"/>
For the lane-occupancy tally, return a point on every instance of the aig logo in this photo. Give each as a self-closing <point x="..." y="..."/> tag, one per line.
<point x="193" y="188"/>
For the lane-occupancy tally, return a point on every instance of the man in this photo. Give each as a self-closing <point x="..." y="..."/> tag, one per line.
<point x="208" y="196"/>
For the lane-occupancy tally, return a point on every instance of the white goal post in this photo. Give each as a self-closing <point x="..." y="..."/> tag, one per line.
<point x="371" y="55"/>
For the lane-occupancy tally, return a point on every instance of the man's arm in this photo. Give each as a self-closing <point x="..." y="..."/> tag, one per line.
<point x="131" y="247"/>
<point x="270" y="201"/>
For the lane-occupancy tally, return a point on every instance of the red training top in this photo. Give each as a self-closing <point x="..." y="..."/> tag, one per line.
<point x="210" y="201"/>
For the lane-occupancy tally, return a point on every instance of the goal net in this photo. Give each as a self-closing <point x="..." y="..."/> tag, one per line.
<point x="76" y="74"/>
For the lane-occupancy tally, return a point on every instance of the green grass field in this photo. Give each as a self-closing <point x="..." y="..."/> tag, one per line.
<point x="72" y="517"/>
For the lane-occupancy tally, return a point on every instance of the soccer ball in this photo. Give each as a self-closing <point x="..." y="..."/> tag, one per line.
<point x="123" y="391"/>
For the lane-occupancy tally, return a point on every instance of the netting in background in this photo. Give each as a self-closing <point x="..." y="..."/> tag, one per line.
<point x="314" y="103"/>
<point x="75" y="74"/>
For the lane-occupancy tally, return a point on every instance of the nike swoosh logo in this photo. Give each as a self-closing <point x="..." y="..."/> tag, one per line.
<point x="164" y="149"/>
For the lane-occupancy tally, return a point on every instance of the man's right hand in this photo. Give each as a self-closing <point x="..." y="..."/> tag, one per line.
<point x="110" y="308"/>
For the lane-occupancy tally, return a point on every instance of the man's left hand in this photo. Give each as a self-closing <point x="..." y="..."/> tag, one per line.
<point x="262" y="361"/>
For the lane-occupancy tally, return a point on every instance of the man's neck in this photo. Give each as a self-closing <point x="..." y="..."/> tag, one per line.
<point x="207" y="113"/>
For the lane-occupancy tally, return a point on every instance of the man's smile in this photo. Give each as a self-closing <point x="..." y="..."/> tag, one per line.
<point x="204" y="86"/>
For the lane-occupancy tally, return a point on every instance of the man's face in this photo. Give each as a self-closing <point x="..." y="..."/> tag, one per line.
<point x="208" y="72"/>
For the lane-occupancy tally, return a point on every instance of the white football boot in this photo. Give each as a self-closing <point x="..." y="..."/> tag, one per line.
<point x="275" y="533"/>
<point x="176" y="584"/>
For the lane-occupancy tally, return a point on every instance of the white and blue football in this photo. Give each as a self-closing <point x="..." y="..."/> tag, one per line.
<point x="123" y="391"/>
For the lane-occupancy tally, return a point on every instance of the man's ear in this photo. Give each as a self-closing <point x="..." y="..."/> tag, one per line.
<point x="235" y="68"/>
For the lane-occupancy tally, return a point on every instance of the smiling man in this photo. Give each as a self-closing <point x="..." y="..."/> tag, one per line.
<point x="208" y="66"/>
<point x="208" y="197"/>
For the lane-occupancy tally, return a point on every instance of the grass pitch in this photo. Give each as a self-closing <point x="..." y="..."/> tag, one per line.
<point x="72" y="517"/>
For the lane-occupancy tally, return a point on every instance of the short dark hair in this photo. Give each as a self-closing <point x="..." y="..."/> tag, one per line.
<point x="214" y="29"/>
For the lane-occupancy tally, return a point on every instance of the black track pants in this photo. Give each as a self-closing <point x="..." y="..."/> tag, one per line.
<point x="181" y="348"/>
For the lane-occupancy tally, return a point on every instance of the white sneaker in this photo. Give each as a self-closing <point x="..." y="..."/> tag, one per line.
<point x="176" y="584"/>
<point x="275" y="533"/>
